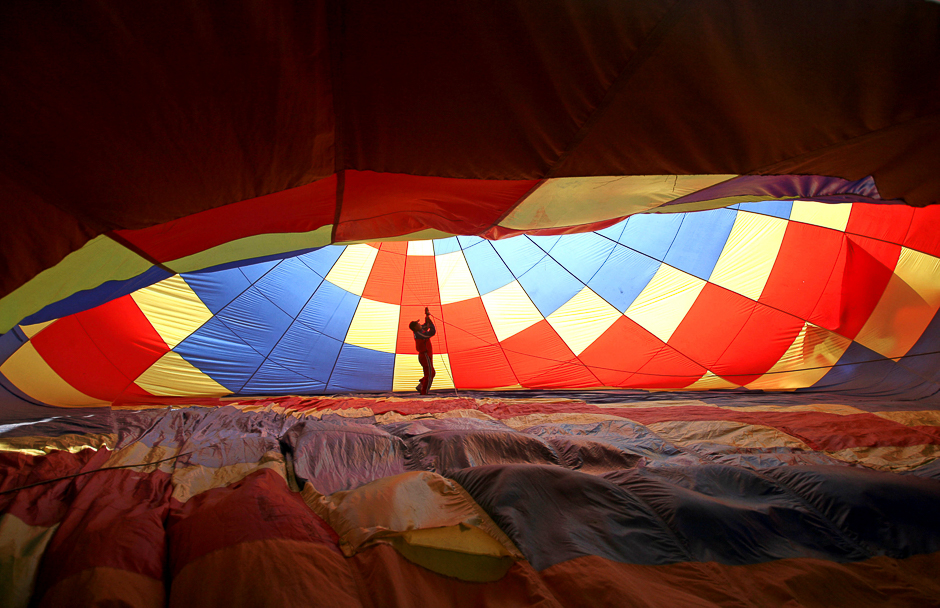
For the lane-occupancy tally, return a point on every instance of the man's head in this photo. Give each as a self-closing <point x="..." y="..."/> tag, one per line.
<point x="414" y="326"/>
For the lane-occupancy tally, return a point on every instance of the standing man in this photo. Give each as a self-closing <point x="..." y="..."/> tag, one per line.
<point x="423" y="333"/>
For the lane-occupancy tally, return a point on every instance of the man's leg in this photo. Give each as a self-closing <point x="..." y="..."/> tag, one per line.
<point x="425" y="385"/>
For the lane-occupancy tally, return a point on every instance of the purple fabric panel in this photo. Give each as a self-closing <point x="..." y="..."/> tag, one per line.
<point x="336" y="456"/>
<point x="786" y="187"/>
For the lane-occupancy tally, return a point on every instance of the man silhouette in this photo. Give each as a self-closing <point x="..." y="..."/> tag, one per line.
<point x="423" y="333"/>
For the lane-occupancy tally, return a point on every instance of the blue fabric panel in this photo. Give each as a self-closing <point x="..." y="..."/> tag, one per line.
<point x="614" y="232"/>
<point x="549" y="285"/>
<point x="321" y="261"/>
<point x="442" y="246"/>
<point x="469" y="241"/>
<point x="553" y="515"/>
<point x="220" y="354"/>
<point x="272" y="378"/>
<point x="329" y="311"/>
<point x="582" y="254"/>
<point x="519" y="253"/>
<point x="218" y="288"/>
<point x="89" y="298"/>
<point x="779" y="209"/>
<point x="361" y="369"/>
<point x="253" y="272"/>
<point x="10" y="342"/>
<point x="862" y="371"/>
<point x="306" y="352"/>
<point x="699" y="242"/>
<point x="488" y="270"/>
<point x="621" y="279"/>
<point x="545" y="242"/>
<point x="923" y="358"/>
<point x="289" y="285"/>
<point x="256" y="320"/>
<point x="651" y="234"/>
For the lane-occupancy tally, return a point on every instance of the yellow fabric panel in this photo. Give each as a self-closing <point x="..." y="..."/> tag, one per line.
<point x="462" y="551"/>
<point x="573" y="201"/>
<point x="192" y="481"/>
<point x="374" y="326"/>
<point x="725" y="432"/>
<point x="32" y="330"/>
<point x="252" y="247"/>
<point x="174" y="376"/>
<point x="173" y="309"/>
<point x="422" y="235"/>
<point x="909" y="302"/>
<point x="749" y="254"/>
<point x="21" y="549"/>
<point x="98" y="261"/>
<point x="834" y="216"/>
<point x="709" y="381"/>
<point x="351" y="270"/>
<point x="810" y="357"/>
<point x="420" y="247"/>
<point x="416" y="500"/>
<point x="408" y="372"/>
<point x="510" y="310"/>
<point x="530" y="420"/>
<point x="454" y="278"/>
<point x="30" y="373"/>
<point x="582" y="319"/>
<point x="664" y="301"/>
<point x="890" y="457"/>
<point x="72" y="442"/>
<point x="917" y="418"/>
<point x="837" y="409"/>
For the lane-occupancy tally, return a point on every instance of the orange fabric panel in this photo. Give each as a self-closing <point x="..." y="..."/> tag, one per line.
<point x="385" y="205"/>
<point x="876" y="582"/>
<point x="469" y="324"/>
<point x="711" y="324"/>
<point x="405" y="343"/>
<point x="420" y="281"/>
<point x="273" y="572"/>
<point x="620" y="352"/>
<point x="923" y="234"/>
<point x="884" y="222"/>
<point x="106" y="587"/>
<point x="541" y="359"/>
<point x="790" y="287"/>
<point x="758" y="345"/>
<point x="482" y="367"/>
<point x="385" y="282"/>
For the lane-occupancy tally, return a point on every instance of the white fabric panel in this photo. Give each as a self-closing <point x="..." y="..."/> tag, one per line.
<point x="510" y="310"/>
<point x="351" y="270"/>
<point x="454" y="278"/>
<point x="749" y="254"/>
<point x="408" y="372"/>
<point x="582" y="319"/>
<point x="806" y="361"/>
<point x="420" y="247"/>
<point x="909" y="302"/>
<point x="173" y="309"/>
<point x="174" y="376"/>
<point x="374" y="326"/>
<point x="664" y="301"/>
<point x="834" y="216"/>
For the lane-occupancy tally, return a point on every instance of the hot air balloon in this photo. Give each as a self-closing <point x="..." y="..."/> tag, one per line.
<point x="682" y="261"/>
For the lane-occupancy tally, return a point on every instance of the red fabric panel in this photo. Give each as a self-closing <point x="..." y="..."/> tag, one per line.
<point x="620" y="351"/>
<point x="923" y="234"/>
<point x="420" y="281"/>
<point x="385" y="205"/>
<point x="406" y="338"/>
<point x="115" y="519"/>
<point x="469" y="324"/>
<point x="711" y="324"/>
<point x="482" y="367"/>
<point x="385" y="280"/>
<point x="758" y="345"/>
<point x="300" y="209"/>
<point x="883" y="222"/>
<point x="101" y="351"/>
<point x="802" y="269"/>
<point x="541" y="359"/>
<point x="873" y="583"/>
<point x="392" y="246"/>
<point x="668" y="369"/>
<point x="857" y="282"/>
<point x="46" y="504"/>
<point x="218" y="518"/>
